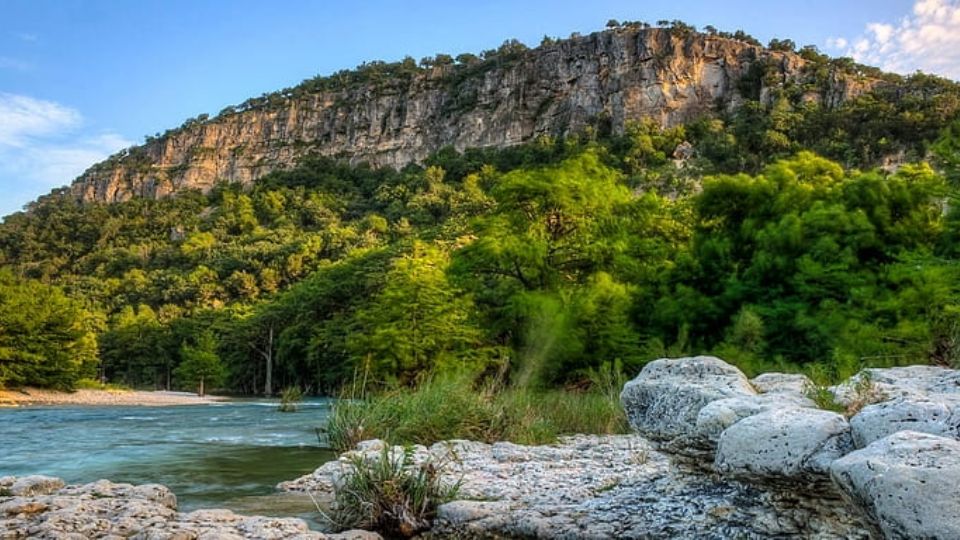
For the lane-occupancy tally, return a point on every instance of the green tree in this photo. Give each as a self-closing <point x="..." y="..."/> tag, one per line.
<point x="946" y="150"/>
<point x="552" y="225"/>
<point x="199" y="244"/>
<point x="135" y="348"/>
<point x="44" y="337"/>
<point x="200" y="365"/>
<point x="419" y="321"/>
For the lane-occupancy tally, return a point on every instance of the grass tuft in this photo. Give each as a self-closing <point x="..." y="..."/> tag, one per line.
<point x="864" y="393"/>
<point x="391" y="493"/>
<point x="290" y="398"/>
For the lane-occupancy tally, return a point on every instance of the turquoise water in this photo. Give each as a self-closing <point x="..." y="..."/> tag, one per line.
<point x="224" y="455"/>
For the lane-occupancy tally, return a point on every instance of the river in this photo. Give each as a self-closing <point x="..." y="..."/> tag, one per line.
<point x="222" y="455"/>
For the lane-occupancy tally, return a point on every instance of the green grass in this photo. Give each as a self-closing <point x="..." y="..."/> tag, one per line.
<point x="92" y="384"/>
<point x="450" y="407"/>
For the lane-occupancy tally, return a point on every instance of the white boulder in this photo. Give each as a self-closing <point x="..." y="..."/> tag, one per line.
<point x="907" y="485"/>
<point x="937" y="414"/>
<point x="783" y="443"/>
<point x="718" y="415"/>
<point x="890" y="383"/>
<point x="781" y="383"/>
<point x="663" y="401"/>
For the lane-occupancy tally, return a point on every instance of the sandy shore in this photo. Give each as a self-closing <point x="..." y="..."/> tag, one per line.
<point x="36" y="396"/>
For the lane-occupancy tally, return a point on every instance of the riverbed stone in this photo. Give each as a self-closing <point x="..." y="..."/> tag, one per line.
<point x="907" y="484"/>
<point x="103" y="509"/>
<point x="883" y="384"/>
<point x="35" y="485"/>
<point x="781" y="383"/>
<point x="718" y="415"/>
<point x="937" y="414"/>
<point x="663" y="401"/>
<point x="789" y="444"/>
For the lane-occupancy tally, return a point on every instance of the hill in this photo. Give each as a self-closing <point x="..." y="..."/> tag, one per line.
<point x="584" y="207"/>
<point x="396" y="114"/>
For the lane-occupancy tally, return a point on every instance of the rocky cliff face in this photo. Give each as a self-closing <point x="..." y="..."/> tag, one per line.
<point x="608" y="77"/>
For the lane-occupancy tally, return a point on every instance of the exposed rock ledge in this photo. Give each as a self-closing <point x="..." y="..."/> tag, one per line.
<point x="603" y="487"/>
<point x="43" y="507"/>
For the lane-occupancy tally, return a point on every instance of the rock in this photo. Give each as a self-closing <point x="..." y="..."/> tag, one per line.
<point x="468" y="511"/>
<point x="907" y="484"/>
<point x="718" y="415"/>
<point x="104" y="509"/>
<point x="938" y="414"/>
<point x="683" y="151"/>
<point x="782" y="383"/>
<point x="35" y="485"/>
<point x="916" y="379"/>
<point x="788" y="444"/>
<point x="373" y="445"/>
<point x="622" y="75"/>
<point x="610" y="487"/>
<point x="19" y="506"/>
<point x="355" y="534"/>
<point x="156" y="493"/>
<point x="891" y="383"/>
<point x="664" y="400"/>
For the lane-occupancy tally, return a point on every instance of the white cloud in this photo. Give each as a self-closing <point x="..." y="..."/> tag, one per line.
<point x="881" y="32"/>
<point x="927" y="39"/>
<point x="51" y="165"/>
<point x="837" y="43"/>
<point x="42" y="145"/>
<point x="22" y="118"/>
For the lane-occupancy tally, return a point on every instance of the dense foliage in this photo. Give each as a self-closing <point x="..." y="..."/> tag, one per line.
<point x="45" y="337"/>
<point x="537" y="265"/>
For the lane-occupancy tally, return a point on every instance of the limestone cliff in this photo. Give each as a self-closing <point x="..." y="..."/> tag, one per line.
<point x="561" y="87"/>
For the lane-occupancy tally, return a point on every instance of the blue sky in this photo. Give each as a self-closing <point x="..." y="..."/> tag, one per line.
<point x="82" y="79"/>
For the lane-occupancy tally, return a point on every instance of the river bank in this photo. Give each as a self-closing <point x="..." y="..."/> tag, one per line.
<point x="39" y="396"/>
<point x="714" y="455"/>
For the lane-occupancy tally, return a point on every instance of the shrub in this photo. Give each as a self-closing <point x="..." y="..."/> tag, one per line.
<point x="289" y="398"/>
<point x="93" y="384"/>
<point x="391" y="494"/>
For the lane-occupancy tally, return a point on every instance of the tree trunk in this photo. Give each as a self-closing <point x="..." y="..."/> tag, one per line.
<point x="268" y="356"/>
<point x="268" y="386"/>
<point x="200" y="393"/>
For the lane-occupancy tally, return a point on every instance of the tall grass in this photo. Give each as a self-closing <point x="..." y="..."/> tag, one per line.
<point x="453" y="407"/>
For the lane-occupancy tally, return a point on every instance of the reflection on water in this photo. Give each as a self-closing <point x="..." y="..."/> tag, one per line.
<point x="225" y="455"/>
